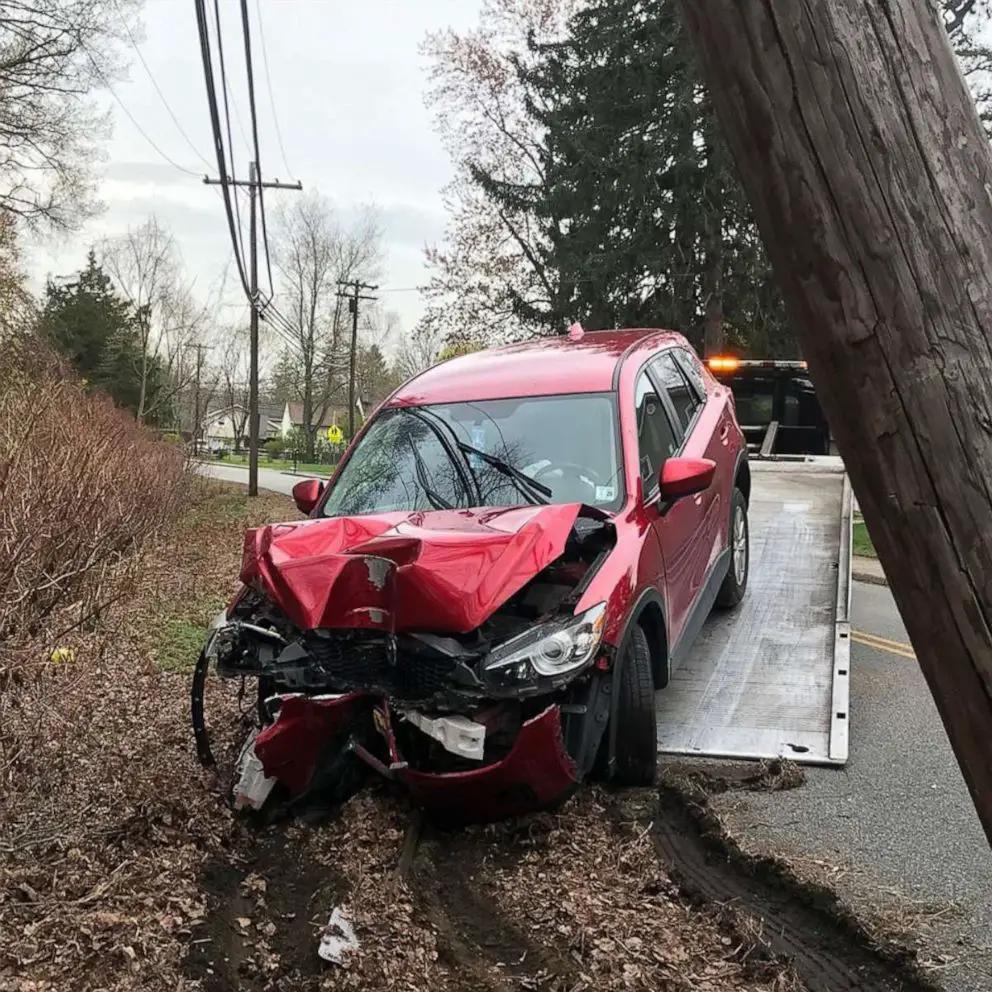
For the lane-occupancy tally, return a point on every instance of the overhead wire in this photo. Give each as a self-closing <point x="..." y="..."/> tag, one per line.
<point x="144" y="134"/>
<point x="270" y="313"/>
<point x="225" y="89"/>
<point x="268" y="84"/>
<point x="154" y="82"/>
<point x="246" y="31"/>
<point x="218" y="136"/>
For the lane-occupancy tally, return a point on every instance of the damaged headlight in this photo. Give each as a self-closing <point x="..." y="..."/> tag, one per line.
<point x="554" y="651"/>
<point x="216" y="625"/>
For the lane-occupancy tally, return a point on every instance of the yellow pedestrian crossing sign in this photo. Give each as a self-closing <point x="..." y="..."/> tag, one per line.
<point x="334" y="434"/>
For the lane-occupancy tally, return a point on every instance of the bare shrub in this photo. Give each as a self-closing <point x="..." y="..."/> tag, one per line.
<point x="83" y="490"/>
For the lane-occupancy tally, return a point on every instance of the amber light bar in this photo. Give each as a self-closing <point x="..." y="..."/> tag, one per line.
<point x="727" y="363"/>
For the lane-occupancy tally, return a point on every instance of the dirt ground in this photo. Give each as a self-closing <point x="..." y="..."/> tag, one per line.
<point x="131" y="872"/>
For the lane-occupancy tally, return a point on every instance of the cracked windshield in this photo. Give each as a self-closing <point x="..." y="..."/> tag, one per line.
<point x="552" y="449"/>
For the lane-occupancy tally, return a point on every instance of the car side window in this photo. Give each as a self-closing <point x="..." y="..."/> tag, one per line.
<point x="693" y="369"/>
<point x="673" y="380"/>
<point x="656" y="438"/>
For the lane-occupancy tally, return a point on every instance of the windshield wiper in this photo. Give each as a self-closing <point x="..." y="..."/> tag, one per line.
<point x="449" y="449"/>
<point x="537" y="491"/>
<point x="436" y="499"/>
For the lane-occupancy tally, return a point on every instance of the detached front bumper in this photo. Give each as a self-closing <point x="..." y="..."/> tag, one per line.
<point x="536" y="773"/>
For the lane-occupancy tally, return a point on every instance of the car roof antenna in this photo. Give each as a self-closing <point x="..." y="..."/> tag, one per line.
<point x="575" y="332"/>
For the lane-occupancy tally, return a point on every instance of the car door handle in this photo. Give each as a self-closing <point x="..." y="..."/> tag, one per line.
<point x="724" y="431"/>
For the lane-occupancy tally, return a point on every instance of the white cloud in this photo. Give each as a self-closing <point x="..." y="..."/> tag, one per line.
<point x="347" y="82"/>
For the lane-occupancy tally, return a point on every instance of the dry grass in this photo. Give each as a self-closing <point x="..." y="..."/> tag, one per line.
<point x="607" y="898"/>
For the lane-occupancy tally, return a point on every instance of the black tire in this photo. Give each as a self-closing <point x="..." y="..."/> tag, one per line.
<point x="637" y="739"/>
<point x="735" y="584"/>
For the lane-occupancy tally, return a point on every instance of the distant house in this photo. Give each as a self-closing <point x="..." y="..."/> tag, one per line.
<point x="292" y="416"/>
<point x="219" y="425"/>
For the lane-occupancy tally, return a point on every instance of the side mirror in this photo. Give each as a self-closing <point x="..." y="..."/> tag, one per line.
<point x="685" y="477"/>
<point x="306" y="495"/>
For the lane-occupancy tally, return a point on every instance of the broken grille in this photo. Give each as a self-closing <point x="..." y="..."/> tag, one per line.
<point x="372" y="662"/>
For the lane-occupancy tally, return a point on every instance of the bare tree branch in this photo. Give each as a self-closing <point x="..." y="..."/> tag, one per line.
<point x="53" y="57"/>
<point x="313" y="251"/>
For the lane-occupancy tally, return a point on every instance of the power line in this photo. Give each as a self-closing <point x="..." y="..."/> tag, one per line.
<point x="254" y="184"/>
<point x="131" y="118"/>
<point x="246" y="31"/>
<point x="225" y="90"/>
<point x="218" y="138"/>
<point x="161" y="95"/>
<point x="280" y="324"/>
<point x="256" y="187"/>
<point x="268" y="84"/>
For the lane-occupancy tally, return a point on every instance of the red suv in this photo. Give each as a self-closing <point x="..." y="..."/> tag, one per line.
<point x="513" y="555"/>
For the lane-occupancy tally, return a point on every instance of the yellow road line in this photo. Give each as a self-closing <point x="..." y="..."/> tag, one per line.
<point x="886" y="644"/>
<point x="900" y="645"/>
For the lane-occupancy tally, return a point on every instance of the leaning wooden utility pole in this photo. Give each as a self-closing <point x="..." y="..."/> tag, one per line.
<point x="871" y="181"/>
<point x="353" y="297"/>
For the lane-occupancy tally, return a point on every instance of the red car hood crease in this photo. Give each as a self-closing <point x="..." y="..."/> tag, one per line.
<point x="441" y="570"/>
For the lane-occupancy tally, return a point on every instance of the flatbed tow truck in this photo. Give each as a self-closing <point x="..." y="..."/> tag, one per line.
<point x="772" y="679"/>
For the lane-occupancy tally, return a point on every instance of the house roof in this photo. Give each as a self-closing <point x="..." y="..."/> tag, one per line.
<point x="296" y="415"/>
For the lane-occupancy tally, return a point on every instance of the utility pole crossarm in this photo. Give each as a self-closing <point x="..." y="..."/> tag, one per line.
<point x="250" y="184"/>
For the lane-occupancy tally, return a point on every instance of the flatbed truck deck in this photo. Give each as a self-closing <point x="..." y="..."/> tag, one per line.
<point x="772" y="678"/>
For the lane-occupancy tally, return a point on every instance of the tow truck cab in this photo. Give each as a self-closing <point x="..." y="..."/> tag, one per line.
<point x="777" y="406"/>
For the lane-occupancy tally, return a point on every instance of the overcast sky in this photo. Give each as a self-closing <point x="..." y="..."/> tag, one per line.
<point x="348" y="85"/>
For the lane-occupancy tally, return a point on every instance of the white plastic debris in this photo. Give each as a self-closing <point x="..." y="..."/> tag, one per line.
<point x="253" y="786"/>
<point x="457" y="734"/>
<point x="338" y="939"/>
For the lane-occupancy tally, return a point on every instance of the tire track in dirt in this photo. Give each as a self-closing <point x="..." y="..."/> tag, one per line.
<point x="475" y="939"/>
<point x="258" y="921"/>
<point x="760" y="903"/>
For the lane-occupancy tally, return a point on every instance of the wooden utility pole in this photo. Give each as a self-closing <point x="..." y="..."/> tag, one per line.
<point x="253" y="184"/>
<point x="353" y="297"/>
<point x="199" y="349"/>
<point x="871" y="181"/>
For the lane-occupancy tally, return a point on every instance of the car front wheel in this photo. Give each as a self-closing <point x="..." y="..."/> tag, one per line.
<point x="636" y="740"/>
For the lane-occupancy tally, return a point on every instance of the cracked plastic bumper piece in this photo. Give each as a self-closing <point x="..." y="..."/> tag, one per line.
<point x="537" y="773"/>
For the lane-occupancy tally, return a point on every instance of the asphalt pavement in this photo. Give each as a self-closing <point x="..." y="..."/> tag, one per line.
<point x="897" y="824"/>
<point x="268" y="478"/>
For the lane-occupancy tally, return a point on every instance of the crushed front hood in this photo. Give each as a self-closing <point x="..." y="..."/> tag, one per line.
<point x="443" y="570"/>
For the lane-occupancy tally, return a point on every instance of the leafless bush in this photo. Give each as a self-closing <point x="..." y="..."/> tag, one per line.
<point x="82" y="489"/>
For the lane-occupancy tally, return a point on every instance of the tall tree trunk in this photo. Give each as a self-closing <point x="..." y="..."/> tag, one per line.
<point x="713" y="322"/>
<point x="870" y="177"/>
<point x="306" y="428"/>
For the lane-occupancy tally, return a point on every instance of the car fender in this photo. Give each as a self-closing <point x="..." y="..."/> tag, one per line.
<point x="649" y="598"/>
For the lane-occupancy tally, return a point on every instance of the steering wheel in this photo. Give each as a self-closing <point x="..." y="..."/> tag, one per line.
<point x="572" y="469"/>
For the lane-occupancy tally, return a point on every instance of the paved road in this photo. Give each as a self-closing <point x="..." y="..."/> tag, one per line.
<point x="268" y="478"/>
<point x="899" y="816"/>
